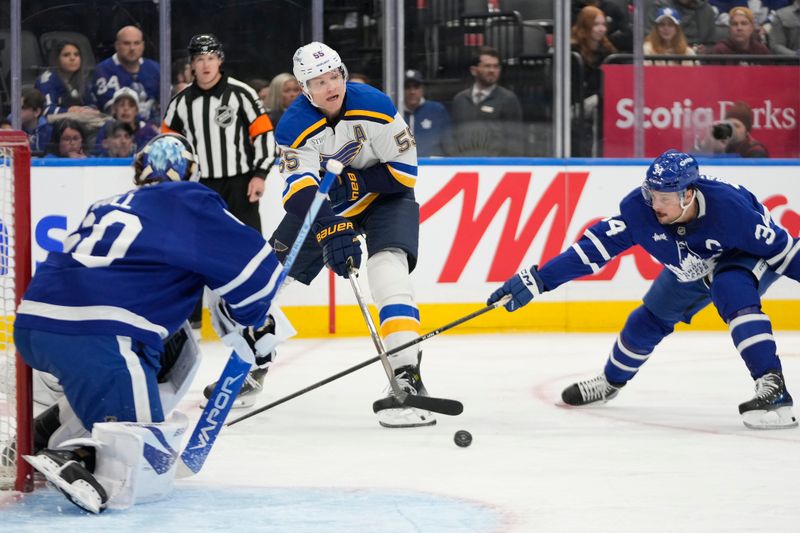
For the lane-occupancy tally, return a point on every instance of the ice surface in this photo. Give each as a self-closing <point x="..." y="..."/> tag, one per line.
<point x="668" y="454"/>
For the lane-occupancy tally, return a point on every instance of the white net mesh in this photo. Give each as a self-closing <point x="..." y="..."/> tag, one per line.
<point x="8" y="396"/>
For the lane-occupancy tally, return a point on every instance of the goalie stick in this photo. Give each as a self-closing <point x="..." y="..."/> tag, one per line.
<point x="368" y="362"/>
<point x="242" y="357"/>
<point x="404" y="399"/>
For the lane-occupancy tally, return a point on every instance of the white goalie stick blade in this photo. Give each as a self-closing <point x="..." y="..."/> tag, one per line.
<point x="79" y="492"/>
<point x="405" y="417"/>
<point x="780" y="418"/>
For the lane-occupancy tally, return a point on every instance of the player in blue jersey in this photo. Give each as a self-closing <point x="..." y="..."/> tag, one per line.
<point x="718" y="244"/>
<point x="97" y="317"/>
<point x="359" y="126"/>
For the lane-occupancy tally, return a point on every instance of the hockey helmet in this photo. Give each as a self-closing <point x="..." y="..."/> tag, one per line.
<point x="672" y="171"/>
<point x="315" y="59"/>
<point x="167" y="157"/>
<point x="205" y="43"/>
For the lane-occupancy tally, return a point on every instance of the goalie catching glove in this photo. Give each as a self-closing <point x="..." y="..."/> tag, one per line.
<point x="339" y="241"/>
<point x="522" y="286"/>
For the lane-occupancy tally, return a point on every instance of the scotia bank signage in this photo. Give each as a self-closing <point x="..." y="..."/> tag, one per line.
<point x="681" y="102"/>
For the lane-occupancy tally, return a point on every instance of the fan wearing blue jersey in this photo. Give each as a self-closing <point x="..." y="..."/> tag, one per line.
<point x="97" y="316"/>
<point x="718" y="245"/>
<point x="359" y="126"/>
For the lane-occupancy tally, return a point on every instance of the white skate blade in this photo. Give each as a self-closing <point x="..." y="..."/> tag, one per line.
<point x="80" y="492"/>
<point x="238" y="403"/>
<point x="405" y="417"/>
<point x="780" y="418"/>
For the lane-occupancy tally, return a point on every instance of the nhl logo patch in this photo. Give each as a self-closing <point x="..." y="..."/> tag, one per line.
<point x="223" y="116"/>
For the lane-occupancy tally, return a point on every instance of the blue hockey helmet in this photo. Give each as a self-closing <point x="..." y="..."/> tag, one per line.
<point x="672" y="171"/>
<point x="167" y="157"/>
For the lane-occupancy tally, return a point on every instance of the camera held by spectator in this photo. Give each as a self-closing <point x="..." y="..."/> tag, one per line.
<point x="731" y="136"/>
<point x="722" y="130"/>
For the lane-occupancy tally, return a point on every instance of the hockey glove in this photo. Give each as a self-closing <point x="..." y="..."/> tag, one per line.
<point x="348" y="187"/>
<point x="522" y="287"/>
<point x="339" y="241"/>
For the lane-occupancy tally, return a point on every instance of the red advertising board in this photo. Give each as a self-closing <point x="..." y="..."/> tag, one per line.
<point x="681" y="102"/>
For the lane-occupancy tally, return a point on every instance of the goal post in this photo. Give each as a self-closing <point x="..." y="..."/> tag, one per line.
<point x="16" y="396"/>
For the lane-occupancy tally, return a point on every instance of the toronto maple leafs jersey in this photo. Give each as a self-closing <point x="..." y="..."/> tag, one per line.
<point x="58" y="97"/>
<point x="369" y="131"/>
<point x="139" y="261"/>
<point x="110" y="75"/>
<point x="730" y="220"/>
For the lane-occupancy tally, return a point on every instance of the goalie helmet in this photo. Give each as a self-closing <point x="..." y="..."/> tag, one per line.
<point x="167" y="157"/>
<point x="205" y="43"/>
<point x="672" y="171"/>
<point x="315" y="59"/>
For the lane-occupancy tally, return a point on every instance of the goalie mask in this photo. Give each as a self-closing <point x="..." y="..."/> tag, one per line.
<point x="167" y="157"/>
<point x="315" y="59"/>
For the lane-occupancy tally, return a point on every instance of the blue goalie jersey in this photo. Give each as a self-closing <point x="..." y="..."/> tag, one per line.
<point x="730" y="220"/>
<point x="138" y="263"/>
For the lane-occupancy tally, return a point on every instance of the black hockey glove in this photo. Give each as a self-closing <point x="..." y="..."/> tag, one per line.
<point x="522" y="286"/>
<point x="348" y="187"/>
<point x="339" y="242"/>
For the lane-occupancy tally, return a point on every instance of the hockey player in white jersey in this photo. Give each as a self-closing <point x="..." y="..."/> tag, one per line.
<point x="359" y="126"/>
<point x="718" y="244"/>
<point x="98" y="314"/>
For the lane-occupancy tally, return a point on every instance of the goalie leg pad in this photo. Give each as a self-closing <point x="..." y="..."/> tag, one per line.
<point x="393" y="293"/>
<point x="136" y="462"/>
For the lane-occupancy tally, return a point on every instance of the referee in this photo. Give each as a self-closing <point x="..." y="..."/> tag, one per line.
<point x="225" y="121"/>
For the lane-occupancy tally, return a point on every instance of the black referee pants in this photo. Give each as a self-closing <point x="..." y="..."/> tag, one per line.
<point x="233" y="190"/>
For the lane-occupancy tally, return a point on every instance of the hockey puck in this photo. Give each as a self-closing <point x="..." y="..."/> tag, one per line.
<point x="462" y="438"/>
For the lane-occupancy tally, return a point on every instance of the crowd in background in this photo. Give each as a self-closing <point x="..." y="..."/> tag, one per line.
<point x="112" y="110"/>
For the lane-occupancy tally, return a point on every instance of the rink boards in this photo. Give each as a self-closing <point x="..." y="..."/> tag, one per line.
<point x="481" y="220"/>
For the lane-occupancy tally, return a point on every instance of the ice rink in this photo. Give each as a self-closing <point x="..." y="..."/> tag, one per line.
<point x="668" y="454"/>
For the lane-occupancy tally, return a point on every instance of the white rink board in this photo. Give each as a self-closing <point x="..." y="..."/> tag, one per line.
<point x="60" y="195"/>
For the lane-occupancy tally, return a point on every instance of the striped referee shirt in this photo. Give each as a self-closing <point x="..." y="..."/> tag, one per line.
<point x="227" y="126"/>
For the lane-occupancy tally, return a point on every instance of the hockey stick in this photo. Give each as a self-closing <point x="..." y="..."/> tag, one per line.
<point x="242" y="357"/>
<point x="368" y="362"/>
<point x="403" y="398"/>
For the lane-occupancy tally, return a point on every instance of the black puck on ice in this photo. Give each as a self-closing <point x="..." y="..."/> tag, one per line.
<point x="462" y="438"/>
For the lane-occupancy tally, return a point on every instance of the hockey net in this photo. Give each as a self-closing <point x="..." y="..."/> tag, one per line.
<point x="15" y="271"/>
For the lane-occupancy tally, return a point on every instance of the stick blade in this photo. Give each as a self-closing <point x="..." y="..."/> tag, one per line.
<point x="443" y="406"/>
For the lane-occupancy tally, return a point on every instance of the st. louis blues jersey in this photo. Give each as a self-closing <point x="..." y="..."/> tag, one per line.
<point x="138" y="263"/>
<point x="369" y="131"/>
<point x="110" y="75"/>
<point x="730" y="221"/>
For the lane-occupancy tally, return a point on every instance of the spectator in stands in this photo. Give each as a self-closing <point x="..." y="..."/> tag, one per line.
<point x="5" y="124"/>
<point x="487" y="118"/>
<point x="732" y="136"/>
<point x="620" y="30"/>
<point x="697" y="17"/>
<point x="125" y="108"/>
<point x="590" y="41"/>
<point x="784" y="36"/>
<point x="118" y="141"/>
<point x="33" y="122"/>
<point x="181" y="74"/>
<point x="127" y="68"/>
<point x="282" y="92"/>
<point x="666" y="38"/>
<point x="743" y="37"/>
<point x="262" y="89"/>
<point x="69" y="140"/>
<point x="428" y="120"/>
<point x="64" y="83"/>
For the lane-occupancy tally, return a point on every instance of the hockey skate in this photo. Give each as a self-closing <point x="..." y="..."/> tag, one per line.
<point x="65" y="470"/>
<point x="590" y="391"/>
<point x="393" y="415"/>
<point x="251" y="388"/>
<point x="771" y="407"/>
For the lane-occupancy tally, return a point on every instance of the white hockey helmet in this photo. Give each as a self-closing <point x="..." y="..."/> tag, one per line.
<point x="315" y="59"/>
